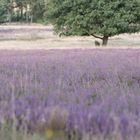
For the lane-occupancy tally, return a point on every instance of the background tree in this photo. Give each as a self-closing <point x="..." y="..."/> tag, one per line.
<point x="38" y="9"/>
<point x="4" y="10"/>
<point x="34" y="9"/>
<point x="2" y="13"/>
<point x="27" y="10"/>
<point x="99" y="18"/>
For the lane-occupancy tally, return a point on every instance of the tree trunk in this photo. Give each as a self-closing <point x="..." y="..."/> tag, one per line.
<point x="9" y="16"/>
<point x="27" y="16"/>
<point x="21" y="12"/>
<point x="105" y="40"/>
<point x="31" y="18"/>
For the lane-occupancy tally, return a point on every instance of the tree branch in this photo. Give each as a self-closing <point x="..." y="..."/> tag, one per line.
<point x="97" y="36"/>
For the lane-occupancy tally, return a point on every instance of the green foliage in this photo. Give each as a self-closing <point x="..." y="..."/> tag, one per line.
<point x="2" y="15"/>
<point x="3" y="10"/>
<point x="89" y="17"/>
<point x="37" y="8"/>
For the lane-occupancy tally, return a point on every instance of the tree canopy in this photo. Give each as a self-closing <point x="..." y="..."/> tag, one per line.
<point x="99" y="18"/>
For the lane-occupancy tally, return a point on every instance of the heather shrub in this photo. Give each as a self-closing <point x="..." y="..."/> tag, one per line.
<point x="70" y="95"/>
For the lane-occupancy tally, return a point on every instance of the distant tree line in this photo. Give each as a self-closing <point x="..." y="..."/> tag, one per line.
<point x="22" y="10"/>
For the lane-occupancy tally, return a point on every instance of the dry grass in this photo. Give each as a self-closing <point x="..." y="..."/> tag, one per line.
<point x="47" y="40"/>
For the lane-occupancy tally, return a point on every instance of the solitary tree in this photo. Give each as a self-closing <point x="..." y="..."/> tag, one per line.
<point x="98" y="18"/>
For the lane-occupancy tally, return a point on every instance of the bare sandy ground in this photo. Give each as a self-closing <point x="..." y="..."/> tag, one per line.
<point x="22" y="37"/>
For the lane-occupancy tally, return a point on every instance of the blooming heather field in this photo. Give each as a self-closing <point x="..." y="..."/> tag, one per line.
<point x="70" y="94"/>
